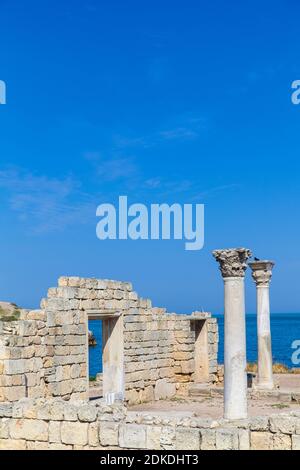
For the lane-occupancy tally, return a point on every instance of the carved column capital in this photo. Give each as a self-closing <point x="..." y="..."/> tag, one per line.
<point x="233" y="262"/>
<point x="262" y="272"/>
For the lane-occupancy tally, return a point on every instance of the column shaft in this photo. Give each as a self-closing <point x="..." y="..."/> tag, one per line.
<point x="235" y="382"/>
<point x="265" y="367"/>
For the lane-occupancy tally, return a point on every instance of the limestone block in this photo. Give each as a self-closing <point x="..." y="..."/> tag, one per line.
<point x="188" y="367"/>
<point x="70" y="412"/>
<point x="79" y="385"/>
<point x="27" y="328"/>
<point x="12" y="444"/>
<point x="87" y="413"/>
<point x="283" y="424"/>
<point x="29" y="429"/>
<point x="208" y="439"/>
<point x="153" y="434"/>
<point x="54" y="305"/>
<point x="54" y="432"/>
<point x="4" y="428"/>
<point x="187" y="439"/>
<point x="93" y="435"/>
<point x="244" y="439"/>
<point x="147" y="394"/>
<point x="163" y="389"/>
<point x="28" y="352"/>
<point x="12" y="367"/>
<point x="260" y="440"/>
<point x="259" y="423"/>
<point x="109" y="434"/>
<point x="227" y="439"/>
<point x="24" y="408"/>
<point x="282" y="442"/>
<point x="60" y="447"/>
<point x="53" y="410"/>
<point x="132" y="397"/>
<point x="167" y="438"/>
<point x="74" y="433"/>
<point x="36" y="445"/>
<point x="75" y="371"/>
<point x="132" y="436"/>
<point x="182" y="355"/>
<point x="166" y="372"/>
<point x="14" y="393"/>
<point x="296" y="442"/>
<point x="6" y="410"/>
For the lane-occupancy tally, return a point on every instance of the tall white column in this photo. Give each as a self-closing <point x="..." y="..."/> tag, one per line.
<point x="233" y="265"/>
<point x="262" y="273"/>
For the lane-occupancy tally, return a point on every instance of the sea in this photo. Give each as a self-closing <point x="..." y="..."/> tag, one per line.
<point x="285" y="329"/>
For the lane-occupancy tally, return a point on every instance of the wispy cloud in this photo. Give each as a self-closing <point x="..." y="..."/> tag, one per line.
<point x="186" y="188"/>
<point x="45" y="203"/>
<point x="112" y="168"/>
<point x="179" y="128"/>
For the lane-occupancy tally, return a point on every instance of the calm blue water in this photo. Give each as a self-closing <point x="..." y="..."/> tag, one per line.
<point x="285" y="329"/>
<point x="95" y="352"/>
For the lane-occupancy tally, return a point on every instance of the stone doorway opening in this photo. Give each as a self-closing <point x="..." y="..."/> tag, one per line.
<point x="111" y="356"/>
<point x="201" y="352"/>
<point x="95" y="358"/>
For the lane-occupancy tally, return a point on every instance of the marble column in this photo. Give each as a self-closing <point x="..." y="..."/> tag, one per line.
<point x="233" y="263"/>
<point x="262" y="273"/>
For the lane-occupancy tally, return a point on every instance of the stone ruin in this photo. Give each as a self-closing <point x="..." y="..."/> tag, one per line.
<point x="148" y="354"/>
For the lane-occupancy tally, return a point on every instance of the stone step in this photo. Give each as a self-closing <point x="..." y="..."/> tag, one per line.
<point x="200" y="390"/>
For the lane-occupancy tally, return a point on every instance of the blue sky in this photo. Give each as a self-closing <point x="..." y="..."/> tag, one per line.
<point x="163" y="102"/>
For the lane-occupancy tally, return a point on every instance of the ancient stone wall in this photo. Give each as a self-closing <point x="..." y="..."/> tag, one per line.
<point x="26" y="353"/>
<point x="160" y="353"/>
<point x="57" y="424"/>
<point x="45" y="353"/>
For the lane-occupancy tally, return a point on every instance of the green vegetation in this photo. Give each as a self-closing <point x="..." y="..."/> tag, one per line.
<point x="92" y="378"/>
<point x="277" y="368"/>
<point x="10" y="314"/>
<point x="280" y="406"/>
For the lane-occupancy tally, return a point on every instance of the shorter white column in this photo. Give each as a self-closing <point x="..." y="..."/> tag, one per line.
<point x="233" y="266"/>
<point x="262" y="273"/>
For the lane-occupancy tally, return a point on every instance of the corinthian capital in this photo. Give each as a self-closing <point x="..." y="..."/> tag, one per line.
<point x="262" y="272"/>
<point x="233" y="262"/>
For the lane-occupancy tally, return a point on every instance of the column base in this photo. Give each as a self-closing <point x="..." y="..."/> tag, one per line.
<point x="264" y="386"/>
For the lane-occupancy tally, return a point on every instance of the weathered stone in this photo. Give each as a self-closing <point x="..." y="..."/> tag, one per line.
<point x="153" y="434"/>
<point x="259" y="423"/>
<point x="132" y="436"/>
<point x="208" y="439"/>
<point x="74" y="433"/>
<point x="282" y="442"/>
<point x="227" y="439"/>
<point x="283" y="424"/>
<point x="260" y="440"/>
<point x="167" y="438"/>
<point x="163" y="389"/>
<point x="109" y="434"/>
<point x="54" y="432"/>
<point x="244" y="439"/>
<point x="296" y="442"/>
<point x="87" y="413"/>
<point x="12" y="444"/>
<point x="29" y="429"/>
<point x="187" y="439"/>
<point x="93" y="435"/>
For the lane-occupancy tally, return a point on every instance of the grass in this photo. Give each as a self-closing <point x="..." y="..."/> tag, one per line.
<point x="10" y="315"/>
<point x="280" y="406"/>
<point x="278" y="368"/>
